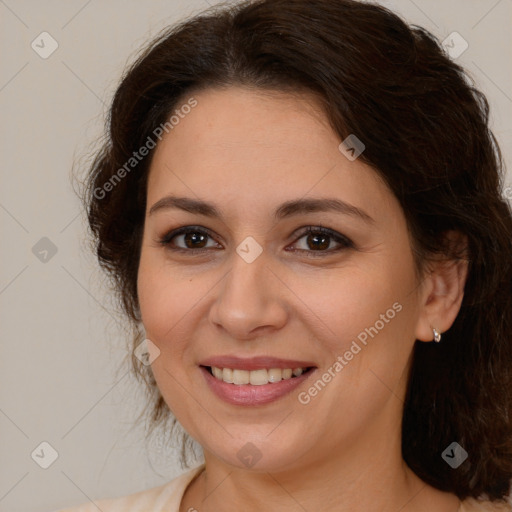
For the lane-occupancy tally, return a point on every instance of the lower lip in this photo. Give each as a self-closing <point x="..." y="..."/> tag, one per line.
<point x="248" y="394"/>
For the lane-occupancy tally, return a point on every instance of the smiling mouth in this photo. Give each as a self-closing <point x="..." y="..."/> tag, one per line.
<point x="256" y="377"/>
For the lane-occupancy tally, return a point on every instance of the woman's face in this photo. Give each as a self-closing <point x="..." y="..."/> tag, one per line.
<point x="246" y="287"/>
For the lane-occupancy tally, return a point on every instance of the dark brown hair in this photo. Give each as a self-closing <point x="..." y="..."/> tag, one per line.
<point x="426" y="131"/>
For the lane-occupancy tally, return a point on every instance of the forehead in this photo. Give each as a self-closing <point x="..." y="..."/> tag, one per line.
<point x="254" y="147"/>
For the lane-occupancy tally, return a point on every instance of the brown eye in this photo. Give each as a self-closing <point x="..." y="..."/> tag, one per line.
<point x="190" y="239"/>
<point x="319" y="239"/>
<point x="194" y="240"/>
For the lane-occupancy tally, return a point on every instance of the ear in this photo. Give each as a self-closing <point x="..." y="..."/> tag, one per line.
<point x="442" y="289"/>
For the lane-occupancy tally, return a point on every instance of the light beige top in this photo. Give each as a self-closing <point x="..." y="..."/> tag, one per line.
<point x="167" y="498"/>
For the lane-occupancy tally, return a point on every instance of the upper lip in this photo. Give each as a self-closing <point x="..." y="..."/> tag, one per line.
<point x="254" y="363"/>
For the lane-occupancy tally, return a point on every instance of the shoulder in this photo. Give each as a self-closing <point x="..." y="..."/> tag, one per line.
<point x="473" y="505"/>
<point x="165" y="497"/>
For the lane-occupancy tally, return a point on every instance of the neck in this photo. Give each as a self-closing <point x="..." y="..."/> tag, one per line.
<point x="362" y="476"/>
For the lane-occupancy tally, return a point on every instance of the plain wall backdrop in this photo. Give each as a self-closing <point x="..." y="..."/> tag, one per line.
<point x="61" y="346"/>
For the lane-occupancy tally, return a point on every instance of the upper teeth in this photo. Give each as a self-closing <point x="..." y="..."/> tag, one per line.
<point x="255" y="377"/>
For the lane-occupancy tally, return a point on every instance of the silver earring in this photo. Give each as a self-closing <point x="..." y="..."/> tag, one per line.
<point x="437" y="335"/>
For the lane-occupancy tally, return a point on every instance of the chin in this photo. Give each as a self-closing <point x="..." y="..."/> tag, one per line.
<point x="258" y="453"/>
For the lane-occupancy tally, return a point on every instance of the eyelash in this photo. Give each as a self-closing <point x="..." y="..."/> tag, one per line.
<point x="345" y="242"/>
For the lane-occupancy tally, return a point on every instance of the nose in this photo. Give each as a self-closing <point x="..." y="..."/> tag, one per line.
<point x="251" y="300"/>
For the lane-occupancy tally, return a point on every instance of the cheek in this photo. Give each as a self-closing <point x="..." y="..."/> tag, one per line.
<point x="370" y="312"/>
<point x="172" y="303"/>
<point x="154" y="302"/>
<point x="161" y="300"/>
<point x="370" y="315"/>
<point x="164" y="304"/>
<point x="358" y="301"/>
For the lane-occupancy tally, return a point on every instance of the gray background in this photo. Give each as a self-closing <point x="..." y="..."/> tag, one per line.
<point x="61" y="375"/>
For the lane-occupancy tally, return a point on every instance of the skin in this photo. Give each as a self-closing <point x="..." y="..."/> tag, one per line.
<point x="248" y="151"/>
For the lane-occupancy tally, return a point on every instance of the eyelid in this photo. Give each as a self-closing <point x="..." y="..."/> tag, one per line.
<point x="184" y="229"/>
<point x="339" y="238"/>
<point x="165" y="240"/>
<point x="343" y="240"/>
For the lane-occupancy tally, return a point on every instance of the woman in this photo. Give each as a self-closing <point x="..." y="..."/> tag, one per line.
<point x="300" y="203"/>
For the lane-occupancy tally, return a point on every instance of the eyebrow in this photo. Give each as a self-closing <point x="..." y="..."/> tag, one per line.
<point x="286" y="209"/>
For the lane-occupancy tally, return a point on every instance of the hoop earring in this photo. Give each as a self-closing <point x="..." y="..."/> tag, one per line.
<point x="437" y="335"/>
